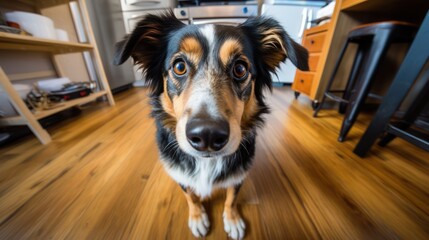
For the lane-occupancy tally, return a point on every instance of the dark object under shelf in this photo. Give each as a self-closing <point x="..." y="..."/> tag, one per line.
<point x="11" y="134"/>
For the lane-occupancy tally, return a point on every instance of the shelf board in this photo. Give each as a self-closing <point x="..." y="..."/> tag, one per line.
<point x="68" y="104"/>
<point x="41" y="3"/>
<point x="49" y="3"/>
<point x="12" y="41"/>
<point x="320" y="28"/>
<point x="17" y="120"/>
<point x="350" y="4"/>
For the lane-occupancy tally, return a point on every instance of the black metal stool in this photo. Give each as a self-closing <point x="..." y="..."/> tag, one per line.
<point x="412" y="66"/>
<point x="373" y="41"/>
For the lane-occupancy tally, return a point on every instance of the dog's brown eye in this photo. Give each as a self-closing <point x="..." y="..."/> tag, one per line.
<point x="239" y="71"/>
<point x="179" y="68"/>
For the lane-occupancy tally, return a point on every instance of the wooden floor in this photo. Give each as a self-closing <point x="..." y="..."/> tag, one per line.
<point x="100" y="179"/>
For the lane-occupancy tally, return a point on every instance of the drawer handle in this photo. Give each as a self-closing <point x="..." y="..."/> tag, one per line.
<point x="301" y="80"/>
<point x="143" y="3"/>
<point x="312" y="41"/>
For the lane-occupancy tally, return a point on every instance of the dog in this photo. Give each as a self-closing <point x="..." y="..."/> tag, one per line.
<point x="207" y="100"/>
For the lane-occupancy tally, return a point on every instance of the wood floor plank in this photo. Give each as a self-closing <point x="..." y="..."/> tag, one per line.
<point x="100" y="178"/>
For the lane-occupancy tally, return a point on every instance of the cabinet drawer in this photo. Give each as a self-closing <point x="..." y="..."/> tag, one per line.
<point x="303" y="82"/>
<point x="314" y="42"/>
<point x="313" y="60"/>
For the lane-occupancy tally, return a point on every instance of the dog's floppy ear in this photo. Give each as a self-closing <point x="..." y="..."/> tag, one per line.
<point x="147" y="45"/>
<point x="274" y="44"/>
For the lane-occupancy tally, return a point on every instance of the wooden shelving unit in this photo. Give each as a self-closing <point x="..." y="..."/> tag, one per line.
<point x="62" y="106"/>
<point x="17" y="42"/>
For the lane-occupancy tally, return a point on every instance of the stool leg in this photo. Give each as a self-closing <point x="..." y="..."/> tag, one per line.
<point x="352" y="78"/>
<point x="377" y="50"/>
<point x="386" y="139"/>
<point x="413" y="111"/>
<point x="331" y="80"/>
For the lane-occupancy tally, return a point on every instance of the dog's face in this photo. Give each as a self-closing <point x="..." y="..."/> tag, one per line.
<point x="208" y="80"/>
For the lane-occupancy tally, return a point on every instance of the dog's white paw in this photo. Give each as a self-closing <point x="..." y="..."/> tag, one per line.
<point x="200" y="224"/>
<point x="234" y="227"/>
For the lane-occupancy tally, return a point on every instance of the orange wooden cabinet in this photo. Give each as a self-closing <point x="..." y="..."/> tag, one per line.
<point x="314" y="40"/>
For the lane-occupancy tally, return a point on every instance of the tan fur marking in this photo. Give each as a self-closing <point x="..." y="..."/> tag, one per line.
<point x="231" y="205"/>
<point x="272" y="40"/>
<point x="250" y="109"/>
<point x="227" y="102"/>
<point x="192" y="48"/>
<point x="228" y="49"/>
<point x="168" y="107"/>
<point x="180" y="101"/>
<point x="194" y="203"/>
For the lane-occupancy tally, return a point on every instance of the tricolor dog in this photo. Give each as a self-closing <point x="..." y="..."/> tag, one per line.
<point x="207" y="86"/>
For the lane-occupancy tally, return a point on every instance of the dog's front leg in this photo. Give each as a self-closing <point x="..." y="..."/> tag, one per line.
<point x="198" y="220"/>
<point x="233" y="223"/>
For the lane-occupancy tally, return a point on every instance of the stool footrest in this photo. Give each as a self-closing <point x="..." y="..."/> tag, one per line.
<point x="375" y="96"/>
<point x="411" y="135"/>
<point x="335" y="98"/>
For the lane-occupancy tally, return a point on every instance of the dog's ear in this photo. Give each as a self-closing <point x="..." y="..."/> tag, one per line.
<point x="147" y="45"/>
<point x="274" y="44"/>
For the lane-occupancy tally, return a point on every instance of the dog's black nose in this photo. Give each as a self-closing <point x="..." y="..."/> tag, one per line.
<point x="207" y="134"/>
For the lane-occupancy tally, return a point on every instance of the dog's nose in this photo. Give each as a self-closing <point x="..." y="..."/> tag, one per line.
<point x="207" y="134"/>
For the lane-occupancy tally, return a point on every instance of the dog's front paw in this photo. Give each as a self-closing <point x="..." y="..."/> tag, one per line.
<point x="199" y="223"/>
<point x="234" y="225"/>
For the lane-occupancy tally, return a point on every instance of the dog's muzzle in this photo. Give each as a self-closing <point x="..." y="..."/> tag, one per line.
<point x="207" y="135"/>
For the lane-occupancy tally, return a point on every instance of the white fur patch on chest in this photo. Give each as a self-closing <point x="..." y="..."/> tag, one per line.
<point x="202" y="180"/>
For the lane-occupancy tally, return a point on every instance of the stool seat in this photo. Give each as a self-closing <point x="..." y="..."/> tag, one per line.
<point x="384" y="24"/>
<point x="373" y="40"/>
<point x="400" y="31"/>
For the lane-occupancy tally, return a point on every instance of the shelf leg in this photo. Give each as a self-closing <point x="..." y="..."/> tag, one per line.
<point x="22" y="109"/>
<point x="95" y="55"/>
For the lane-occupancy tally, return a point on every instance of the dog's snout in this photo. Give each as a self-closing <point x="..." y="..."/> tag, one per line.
<point x="207" y="134"/>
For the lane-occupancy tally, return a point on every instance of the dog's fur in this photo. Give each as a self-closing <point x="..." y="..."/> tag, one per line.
<point x="209" y="90"/>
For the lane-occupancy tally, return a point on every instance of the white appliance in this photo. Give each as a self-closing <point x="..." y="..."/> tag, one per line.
<point x="108" y="27"/>
<point x="295" y="17"/>
<point x="132" y="12"/>
<point x="216" y="14"/>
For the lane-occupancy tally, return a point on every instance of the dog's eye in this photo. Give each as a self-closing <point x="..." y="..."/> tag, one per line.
<point x="239" y="71"/>
<point x="179" y="67"/>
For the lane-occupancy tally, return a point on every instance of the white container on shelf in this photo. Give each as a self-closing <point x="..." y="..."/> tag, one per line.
<point x="61" y="34"/>
<point x="6" y="108"/>
<point x="54" y="84"/>
<point x="36" y="24"/>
